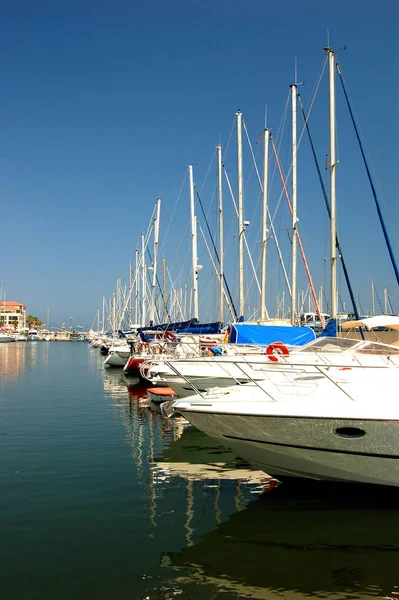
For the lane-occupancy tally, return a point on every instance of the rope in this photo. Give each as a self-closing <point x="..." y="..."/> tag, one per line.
<point x="216" y="253"/>
<point x="327" y="203"/>
<point x="299" y="239"/>
<point x="380" y="215"/>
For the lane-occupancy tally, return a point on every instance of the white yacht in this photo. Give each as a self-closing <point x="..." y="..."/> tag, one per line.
<point x="33" y="335"/>
<point x="329" y="412"/>
<point x="117" y="355"/>
<point x="6" y="337"/>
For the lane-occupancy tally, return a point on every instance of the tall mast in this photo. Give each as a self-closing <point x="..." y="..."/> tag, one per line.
<point x="294" y="206"/>
<point x="372" y="299"/>
<point x="221" y="261"/>
<point x="333" y="164"/>
<point x="263" y="311"/>
<point x="155" y="260"/>
<point x="137" y="280"/>
<point x="193" y="243"/>
<point x="130" y="295"/>
<point x="386" y="301"/>
<point x="143" y="283"/>
<point x="240" y="213"/>
<point x="164" y="290"/>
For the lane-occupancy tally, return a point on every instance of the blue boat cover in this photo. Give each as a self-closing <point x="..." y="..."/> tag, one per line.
<point x="191" y="326"/>
<point x="263" y="335"/>
<point x="330" y="330"/>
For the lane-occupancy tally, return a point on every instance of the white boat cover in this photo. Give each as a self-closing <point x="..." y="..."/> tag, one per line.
<point x="387" y="321"/>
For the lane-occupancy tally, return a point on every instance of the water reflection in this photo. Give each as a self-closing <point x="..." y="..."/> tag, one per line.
<point x="15" y="357"/>
<point x="167" y="451"/>
<point x="12" y="361"/>
<point x="319" y="540"/>
<point x="302" y="540"/>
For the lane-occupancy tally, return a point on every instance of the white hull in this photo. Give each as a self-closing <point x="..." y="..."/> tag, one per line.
<point x="309" y="447"/>
<point x="5" y="339"/>
<point x="183" y="389"/>
<point x="117" y="357"/>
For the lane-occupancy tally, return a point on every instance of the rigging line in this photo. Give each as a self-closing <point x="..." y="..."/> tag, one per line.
<point x="390" y="305"/>
<point x="380" y="215"/>
<point x="229" y="138"/>
<point x="209" y="170"/>
<point x="157" y="280"/>
<point x="327" y="203"/>
<point x="316" y="89"/>
<point x="254" y="166"/>
<point x="259" y="179"/>
<point x="299" y="240"/>
<point x="379" y="301"/>
<point x="183" y="265"/>
<point x="271" y="223"/>
<point x="216" y="252"/>
<point x="244" y="237"/>
<point x="367" y="152"/>
<point x="273" y="232"/>
<point x="173" y="212"/>
<point x="231" y="309"/>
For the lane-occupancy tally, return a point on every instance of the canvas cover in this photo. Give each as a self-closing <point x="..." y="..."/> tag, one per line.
<point x="248" y="333"/>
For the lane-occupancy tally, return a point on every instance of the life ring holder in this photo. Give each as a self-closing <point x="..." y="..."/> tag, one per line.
<point x="276" y="350"/>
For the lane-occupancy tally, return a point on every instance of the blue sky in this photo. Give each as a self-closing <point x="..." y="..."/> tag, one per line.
<point x="104" y="104"/>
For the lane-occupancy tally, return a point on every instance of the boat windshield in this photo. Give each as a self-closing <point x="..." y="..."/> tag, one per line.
<point x="330" y="344"/>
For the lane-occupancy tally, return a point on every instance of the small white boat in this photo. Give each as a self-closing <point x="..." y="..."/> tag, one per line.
<point x="117" y="356"/>
<point x="161" y="394"/>
<point x="6" y="337"/>
<point x="33" y="335"/>
<point x="21" y="338"/>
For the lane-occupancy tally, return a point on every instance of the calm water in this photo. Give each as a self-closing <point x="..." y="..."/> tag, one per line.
<point x="101" y="498"/>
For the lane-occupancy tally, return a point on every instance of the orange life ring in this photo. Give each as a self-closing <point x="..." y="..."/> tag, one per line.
<point x="275" y="350"/>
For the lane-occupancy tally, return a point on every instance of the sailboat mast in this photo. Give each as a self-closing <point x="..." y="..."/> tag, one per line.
<point x="137" y="280"/>
<point x="294" y="205"/>
<point x="164" y="290"/>
<point x="333" y="164"/>
<point x="263" y="311"/>
<point x="193" y="243"/>
<point x="143" y="283"/>
<point x="240" y="203"/>
<point x="221" y="261"/>
<point x="372" y="300"/>
<point x="155" y="261"/>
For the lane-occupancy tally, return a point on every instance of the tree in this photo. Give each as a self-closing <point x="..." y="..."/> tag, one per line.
<point x="33" y="322"/>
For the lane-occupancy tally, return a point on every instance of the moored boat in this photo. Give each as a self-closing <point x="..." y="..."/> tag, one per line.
<point x="333" y="417"/>
<point x="161" y="394"/>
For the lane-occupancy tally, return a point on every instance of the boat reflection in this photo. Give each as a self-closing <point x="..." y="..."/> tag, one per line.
<point x="305" y="540"/>
<point x="196" y="456"/>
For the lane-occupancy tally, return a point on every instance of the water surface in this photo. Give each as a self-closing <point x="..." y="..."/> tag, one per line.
<point x="102" y="498"/>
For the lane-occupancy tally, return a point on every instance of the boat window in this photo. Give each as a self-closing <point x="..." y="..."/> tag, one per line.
<point x="375" y="348"/>
<point x="330" y="344"/>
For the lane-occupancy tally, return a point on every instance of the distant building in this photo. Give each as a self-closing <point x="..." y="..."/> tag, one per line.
<point x="11" y="313"/>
